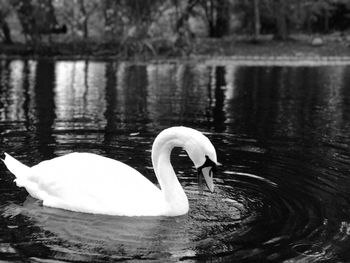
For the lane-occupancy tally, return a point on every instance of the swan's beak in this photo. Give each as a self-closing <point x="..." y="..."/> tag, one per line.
<point x="208" y="177"/>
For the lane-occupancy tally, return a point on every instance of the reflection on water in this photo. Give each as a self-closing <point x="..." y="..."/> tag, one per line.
<point x="282" y="134"/>
<point x="79" y="95"/>
<point x="82" y="95"/>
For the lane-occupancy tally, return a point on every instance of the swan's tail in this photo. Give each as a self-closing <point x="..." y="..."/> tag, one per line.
<point x="20" y="170"/>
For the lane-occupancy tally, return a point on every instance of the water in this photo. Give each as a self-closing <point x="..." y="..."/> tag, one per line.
<point x="281" y="133"/>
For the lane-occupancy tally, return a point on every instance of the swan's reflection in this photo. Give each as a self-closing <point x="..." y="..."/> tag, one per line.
<point x="96" y="236"/>
<point x="86" y="237"/>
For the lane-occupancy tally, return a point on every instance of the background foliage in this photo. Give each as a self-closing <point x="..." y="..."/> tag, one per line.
<point x="139" y="25"/>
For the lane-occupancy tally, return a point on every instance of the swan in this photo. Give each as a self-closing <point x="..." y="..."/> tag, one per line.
<point x="90" y="183"/>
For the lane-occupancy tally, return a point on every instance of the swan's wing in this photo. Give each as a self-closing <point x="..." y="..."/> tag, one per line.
<point x="91" y="183"/>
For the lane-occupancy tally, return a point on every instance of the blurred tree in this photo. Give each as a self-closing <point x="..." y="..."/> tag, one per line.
<point x="183" y="12"/>
<point x="340" y="18"/>
<point x="84" y="18"/>
<point x="110" y="12"/>
<point x="25" y="14"/>
<point x="139" y="14"/>
<point x="37" y="18"/>
<point x="281" y="19"/>
<point x="325" y="15"/>
<point x="183" y="34"/>
<point x="217" y="14"/>
<point x="86" y="9"/>
<point x="137" y="17"/>
<point x="257" y="23"/>
<point x="139" y="25"/>
<point x="5" y="11"/>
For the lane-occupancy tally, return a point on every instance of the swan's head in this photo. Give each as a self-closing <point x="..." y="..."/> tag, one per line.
<point x="196" y="144"/>
<point x="203" y="154"/>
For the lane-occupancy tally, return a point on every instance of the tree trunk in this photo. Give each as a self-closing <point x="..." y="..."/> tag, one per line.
<point x="281" y="20"/>
<point x="7" y="33"/>
<point x="326" y="21"/>
<point x="222" y="18"/>
<point x="209" y="10"/>
<point x="212" y="29"/>
<point x="109" y="14"/>
<point x="217" y="13"/>
<point x="85" y="19"/>
<point x="257" y="24"/>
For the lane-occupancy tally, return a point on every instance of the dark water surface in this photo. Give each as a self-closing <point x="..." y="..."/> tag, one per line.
<point x="281" y="133"/>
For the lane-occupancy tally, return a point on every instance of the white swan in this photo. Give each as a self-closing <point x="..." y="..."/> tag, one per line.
<point x="90" y="183"/>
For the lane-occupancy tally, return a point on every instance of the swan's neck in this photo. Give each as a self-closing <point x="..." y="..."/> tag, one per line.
<point x="172" y="190"/>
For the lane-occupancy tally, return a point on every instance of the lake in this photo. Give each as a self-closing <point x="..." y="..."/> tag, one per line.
<point x="282" y="134"/>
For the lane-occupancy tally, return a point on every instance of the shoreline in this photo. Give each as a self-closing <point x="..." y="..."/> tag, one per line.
<point x="297" y="51"/>
<point x="241" y="60"/>
<point x="281" y="60"/>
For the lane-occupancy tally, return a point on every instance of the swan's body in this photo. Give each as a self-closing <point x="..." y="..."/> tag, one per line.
<point x="90" y="183"/>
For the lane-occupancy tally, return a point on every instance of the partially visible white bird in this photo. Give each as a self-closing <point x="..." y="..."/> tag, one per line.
<point x="89" y="183"/>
